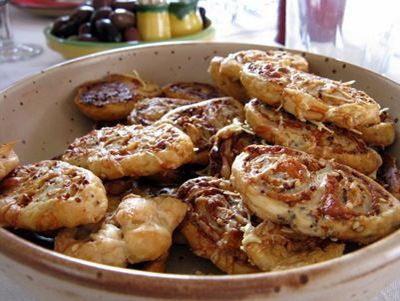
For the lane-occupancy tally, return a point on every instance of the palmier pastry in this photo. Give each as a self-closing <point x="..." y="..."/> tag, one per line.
<point x="49" y="194"/>
<point x="229" y="142"/>
<point x="200" y="121"/>
<point x="309" y="97"/>
<point x="193" y="91"/>
<point x="314" y="197"/>
<point x="113" y="97"/>
<point x="214" y="222"/>
<point x="8" y="159"/>
<point x="274" y="247"/>
<point x="329" y="142"/>
<point x="139" y="230"/>
<point x="134" y="150"/>
<point x="232" y="65"/>
<point x="226" y="84"/>
<point x="149" y="110"/>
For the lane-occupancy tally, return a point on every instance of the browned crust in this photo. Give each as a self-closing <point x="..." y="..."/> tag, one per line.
<point x="193" y="91"/>
<point x="213" y="223"/>
<point x="315" y="197"/>
<point x="149" y="110"/>
<point x="328" y="142"/>
<point x="113" y="97"/>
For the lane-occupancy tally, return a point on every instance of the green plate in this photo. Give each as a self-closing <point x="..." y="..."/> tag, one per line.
<point x="71" y="47"/>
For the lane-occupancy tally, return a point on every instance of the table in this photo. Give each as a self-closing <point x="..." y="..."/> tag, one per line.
<point x="28" y="28"/>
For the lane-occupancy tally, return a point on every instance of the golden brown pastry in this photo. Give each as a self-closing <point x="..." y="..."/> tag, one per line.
<point x="225" y="72"/>
<point x="232" y="65"/>
<point x="134" y="150"/>
<point x="213" y="224"/>
<point x="200" y="121"/>
<point x="158" y="265"/>
<point x="329" y="142"/>
<point x="229" y="142"/>
<point x="149" y="110"/>
<point x="50" y="194"/>
<point x="226" y="84"/>
<point x="139" y="230"/>
<point x="274" y="247"/>
<point x="314" y="197"/>
<point x="113" y="97"/>
<point x="193" y="91"/>
<point x="8" y="159"/>
<point x="309" y="97"/>
<point x="380" y="134"/>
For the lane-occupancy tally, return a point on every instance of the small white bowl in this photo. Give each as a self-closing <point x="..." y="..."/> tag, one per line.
<point x="39" y="112"/>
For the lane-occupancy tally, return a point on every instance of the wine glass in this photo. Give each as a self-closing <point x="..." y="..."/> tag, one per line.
<point x="11" y="51"/>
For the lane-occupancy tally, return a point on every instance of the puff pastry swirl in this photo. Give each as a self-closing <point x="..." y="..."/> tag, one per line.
<point x="315" y="197"/>
<point x="119" y="151"/>
<point x="200" y="121"/>
<point x="330" y="142"/>
<point x="309" y="97"/>
<point x="51" y="194"/>
<point x="213" y="224"/>
<point x="274" y="247"/>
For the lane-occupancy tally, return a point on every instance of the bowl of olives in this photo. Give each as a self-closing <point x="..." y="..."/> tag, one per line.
<point x="107" y="24"/>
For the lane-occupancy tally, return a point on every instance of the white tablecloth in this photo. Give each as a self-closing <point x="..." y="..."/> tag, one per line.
<point x="28" y="28"/>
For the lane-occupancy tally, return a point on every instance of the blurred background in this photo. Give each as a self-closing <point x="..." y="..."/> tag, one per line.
<point x="366" y="32"/>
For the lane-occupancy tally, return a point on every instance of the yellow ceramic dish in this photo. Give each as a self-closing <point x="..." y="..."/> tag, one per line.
<point x="72" y="48"/>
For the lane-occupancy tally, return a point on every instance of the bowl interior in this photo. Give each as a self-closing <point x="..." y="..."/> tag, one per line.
<point x="38" y="112"/>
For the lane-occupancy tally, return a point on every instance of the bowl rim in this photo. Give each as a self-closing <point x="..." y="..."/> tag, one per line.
<point x="209" y="30"/>
<point x="368" y="259"/>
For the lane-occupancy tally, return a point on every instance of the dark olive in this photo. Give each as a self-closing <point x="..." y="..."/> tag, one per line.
<point x="107" y="32"/>
<point x="122" y="18"/>
<point x="100" y="3"/>
<point x="202" y="12"/>
<point x="131" y="34"/>
<point x="85" y="28"/>
<point x="58" y="23"/>
<point x="64" y="27"/>
<point x="102" y="12"/>
<point x="87" y="37"/>
<point x="82" y="14"/>
<point x="127" y="4"/>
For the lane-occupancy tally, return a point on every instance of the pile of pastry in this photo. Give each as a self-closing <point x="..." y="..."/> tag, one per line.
<point x="273" y="168"/>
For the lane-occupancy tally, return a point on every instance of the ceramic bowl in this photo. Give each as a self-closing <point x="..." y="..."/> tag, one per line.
<point x="39" y="113"/>
<point x="72" y="48"/>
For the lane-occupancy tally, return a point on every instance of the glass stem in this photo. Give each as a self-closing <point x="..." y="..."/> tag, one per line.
<point x="5" y="30"/>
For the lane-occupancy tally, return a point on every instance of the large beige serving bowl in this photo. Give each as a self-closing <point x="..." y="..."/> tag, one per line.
<point x="39" y="113"/>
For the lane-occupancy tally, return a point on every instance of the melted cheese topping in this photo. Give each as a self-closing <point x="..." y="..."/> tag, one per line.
<point x="115" y="152"/>
<point x="309" y="97"/>
<point x="315" y="197"/>
<point x="328" y="142"/>
<point x="232" y="65"/>
<point x="41" y="196"/>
